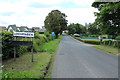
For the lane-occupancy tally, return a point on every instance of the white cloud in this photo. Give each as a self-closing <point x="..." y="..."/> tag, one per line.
<point x="23" y="14"/>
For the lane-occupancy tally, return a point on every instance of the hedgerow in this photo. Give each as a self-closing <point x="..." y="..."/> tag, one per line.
<point x="8" y="48"/>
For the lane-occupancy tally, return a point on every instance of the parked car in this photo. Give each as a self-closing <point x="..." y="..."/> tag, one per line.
<point x="76" y="35"/>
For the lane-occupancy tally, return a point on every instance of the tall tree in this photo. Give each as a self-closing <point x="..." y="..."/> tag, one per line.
<point x="56" y="22"/>
<point x="76" y="28"/>
<point x="108" y="17"/>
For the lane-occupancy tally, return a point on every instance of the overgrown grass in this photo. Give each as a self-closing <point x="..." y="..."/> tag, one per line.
<point x="50" y="46"/>
<point x="24" y="68"/>
<point x="108" y="49"/>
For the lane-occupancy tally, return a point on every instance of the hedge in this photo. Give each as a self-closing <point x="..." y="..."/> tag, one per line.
<point x="7" y="47"/>
<point x="88" y="41"/>
<point x="113" y="43"/>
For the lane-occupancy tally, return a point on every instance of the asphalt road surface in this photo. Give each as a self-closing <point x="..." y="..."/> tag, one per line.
<point x="75" y="59"/>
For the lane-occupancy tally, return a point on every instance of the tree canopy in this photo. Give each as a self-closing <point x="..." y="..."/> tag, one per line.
<point x="108" y="17"/>
<point x="55" y="22"/>
<point x="76" y="28"/>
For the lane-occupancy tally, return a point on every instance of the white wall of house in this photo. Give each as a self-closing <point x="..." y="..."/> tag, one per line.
<point x="10" y="29"/>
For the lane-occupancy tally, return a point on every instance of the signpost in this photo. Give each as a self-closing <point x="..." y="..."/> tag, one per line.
<point x="18" y="42"/>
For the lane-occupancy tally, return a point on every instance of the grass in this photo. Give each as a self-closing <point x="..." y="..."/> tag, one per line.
<point x="108" y="49"/>
<point x="50" y="46"/>
<point x="24" y="68"/>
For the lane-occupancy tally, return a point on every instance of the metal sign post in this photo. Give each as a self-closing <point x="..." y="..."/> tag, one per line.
<point x="18" y="42"/>
<point x="14" y="50"/>
<point x="32" y="50"/>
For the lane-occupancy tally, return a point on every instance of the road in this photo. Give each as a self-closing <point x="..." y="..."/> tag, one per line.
<point x="75" y="59"/>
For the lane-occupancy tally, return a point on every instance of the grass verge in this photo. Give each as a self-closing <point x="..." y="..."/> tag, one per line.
<point x="108" y="49"/>
<point x="24" y="68"/>
<point x="40" y="68"/>
<point x="50" y="46"/>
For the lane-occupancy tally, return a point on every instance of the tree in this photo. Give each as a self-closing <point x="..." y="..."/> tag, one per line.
<point x="76" y="28"/>
<point x="108" y="17"/>
<point x="93" y="29"/>
<point x="55" y="22"/>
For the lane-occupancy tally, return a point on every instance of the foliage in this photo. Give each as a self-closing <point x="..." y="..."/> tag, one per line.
<point x="76" y="28"/>
<point x="118" y="37"/>
<point x="108" y="18"/>
<point x="97" y="42"/>
<point x="7" y="48"/>
<point x="55" y="22"/>
<point x="38" y="40"/>
<point x="48" y="35"/>
<point x="112" y="43"/>
<point x="93" y="28"/>
<point x="50" y="46"/>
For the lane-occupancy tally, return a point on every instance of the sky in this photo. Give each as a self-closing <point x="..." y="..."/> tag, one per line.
<point x="32" y="13"/>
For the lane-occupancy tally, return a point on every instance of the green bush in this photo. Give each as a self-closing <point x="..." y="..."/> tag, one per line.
<point x="97" y="42"/>
<point x="48" y="35"/>
<point x="39" y="40"/>
<point x="115" y="43"/>
<point x="92" y="41"/>
<point x="7" y="48"/>
<point x="118" y="38"/>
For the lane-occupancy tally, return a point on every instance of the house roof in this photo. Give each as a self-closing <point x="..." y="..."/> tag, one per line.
<point x="35" y="27"/>
<point x="24" y="28"/>
<point x="13" y="27"/>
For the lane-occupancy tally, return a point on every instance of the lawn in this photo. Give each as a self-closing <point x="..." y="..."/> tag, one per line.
<point x="24" y="68"/>
<point x="108" y="49"/>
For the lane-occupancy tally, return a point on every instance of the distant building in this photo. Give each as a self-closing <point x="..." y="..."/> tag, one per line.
<point x="3" y="28"/>
<point x="24" y="29"/>
<point x="42" y="29"/>
<point x="14" y="28"/>
<point x="36" y="28"/>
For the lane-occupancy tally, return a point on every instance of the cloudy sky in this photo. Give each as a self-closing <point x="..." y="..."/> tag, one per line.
<point x="33" y="12"/>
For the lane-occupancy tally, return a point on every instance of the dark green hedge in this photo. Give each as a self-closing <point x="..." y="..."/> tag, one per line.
<point x="8" y="48"/>
<point x="88" y="41"/>
<point x="114" y="43"/>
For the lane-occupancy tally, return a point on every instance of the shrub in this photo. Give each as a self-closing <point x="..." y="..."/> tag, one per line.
<point x="97" y="42"/>
<point x="7" y="48"/>
<point x="92" y="41"/>
<point x="118" y="38"/>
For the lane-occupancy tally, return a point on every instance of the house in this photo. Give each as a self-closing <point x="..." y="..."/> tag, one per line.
<point x="35" y="28"/>
<point x="42" y="29"/>
<point x="3" y="28"/>
<point x="14" y="28"/>
<point x="23" y="29"/>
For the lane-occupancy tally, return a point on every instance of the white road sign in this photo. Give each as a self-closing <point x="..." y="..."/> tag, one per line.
<point x="23" y="34"/>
